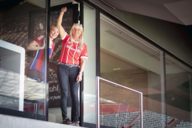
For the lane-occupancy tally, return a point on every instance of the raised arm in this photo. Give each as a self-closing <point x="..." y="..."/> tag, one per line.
<point x="62" y="32"/>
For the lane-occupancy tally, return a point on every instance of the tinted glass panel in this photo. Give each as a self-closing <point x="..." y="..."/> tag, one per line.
<point x="178" y="93"/>
<point x="22" y="86"/>
<point x="130" y="61"/>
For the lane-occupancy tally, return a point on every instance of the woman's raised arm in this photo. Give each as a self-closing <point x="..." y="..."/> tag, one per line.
<point x="62" y="31"/>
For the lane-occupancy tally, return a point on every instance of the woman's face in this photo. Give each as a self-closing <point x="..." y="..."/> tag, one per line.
<point x="76" y="32"/>
<point x="54" y="32"/>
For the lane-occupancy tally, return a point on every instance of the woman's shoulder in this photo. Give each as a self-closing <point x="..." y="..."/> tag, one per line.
<point x="66" y="37"/>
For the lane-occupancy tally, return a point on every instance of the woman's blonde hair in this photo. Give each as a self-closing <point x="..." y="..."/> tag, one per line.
<point x="81" y="35"/>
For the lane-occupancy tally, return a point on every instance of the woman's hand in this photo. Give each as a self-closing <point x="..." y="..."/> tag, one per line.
<point x="64" y="9"/>
<point x="79" y="77"/>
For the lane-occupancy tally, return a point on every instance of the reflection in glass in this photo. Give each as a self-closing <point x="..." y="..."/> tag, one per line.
<point x="89" y="81"/>
<point x="20" y="24"/>
<point x="12" y="62"/>
<point x="129" y="60"/>
<point x="178" y="92"/>
<point x="119" y="106"/>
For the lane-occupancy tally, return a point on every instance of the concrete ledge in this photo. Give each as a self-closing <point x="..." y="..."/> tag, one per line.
<point x="7" y="121"/>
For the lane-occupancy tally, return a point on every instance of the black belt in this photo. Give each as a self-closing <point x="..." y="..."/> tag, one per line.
<point x="69" y="65"/>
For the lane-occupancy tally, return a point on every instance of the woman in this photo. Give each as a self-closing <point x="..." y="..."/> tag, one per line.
<point x="38" y="45"/>
<point x="71" y="66"/>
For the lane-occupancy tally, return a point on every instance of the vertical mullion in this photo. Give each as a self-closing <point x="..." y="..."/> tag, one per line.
<point x="82" y="83"/>
<point x="46" y="56"/>
<point x="163" y="87"/>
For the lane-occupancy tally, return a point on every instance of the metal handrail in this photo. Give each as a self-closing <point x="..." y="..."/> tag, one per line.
<point x="98" y="78"/>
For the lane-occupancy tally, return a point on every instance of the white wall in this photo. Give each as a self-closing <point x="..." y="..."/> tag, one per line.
<point x="90" y="69"/>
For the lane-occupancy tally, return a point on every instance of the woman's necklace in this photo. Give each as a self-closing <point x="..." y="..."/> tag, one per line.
<point x="75" y="41"/>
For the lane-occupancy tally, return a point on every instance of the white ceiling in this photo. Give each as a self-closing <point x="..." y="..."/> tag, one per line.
<point x="177" y="11"/>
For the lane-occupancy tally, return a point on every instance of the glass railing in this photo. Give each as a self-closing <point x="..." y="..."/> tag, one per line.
<point x="118" y="105"/>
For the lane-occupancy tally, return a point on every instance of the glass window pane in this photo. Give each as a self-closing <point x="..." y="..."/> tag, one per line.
<point x="11" y="76"/>
<point x="127" y="59"/>
<point x="90" y="69"/>
<point x="54" y="107"/>
<point x="22" y="79"/>
<point x="178" y="92"/>
<point x="119" y="106"/>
